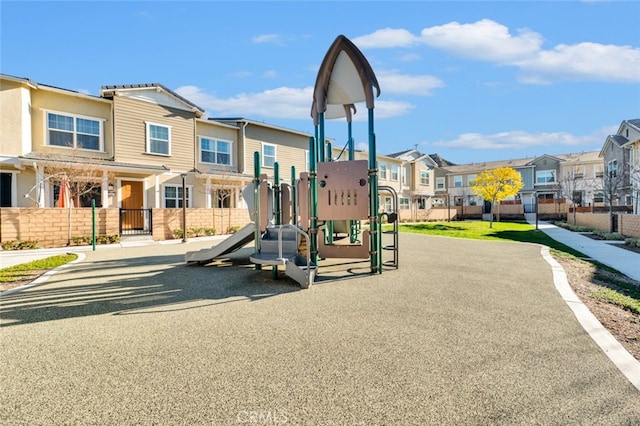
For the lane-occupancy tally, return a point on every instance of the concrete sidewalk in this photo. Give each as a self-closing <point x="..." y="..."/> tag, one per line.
<point x="625" y="261"/>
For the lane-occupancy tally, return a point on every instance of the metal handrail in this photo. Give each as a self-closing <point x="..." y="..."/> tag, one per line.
<point x="306" y="236"/>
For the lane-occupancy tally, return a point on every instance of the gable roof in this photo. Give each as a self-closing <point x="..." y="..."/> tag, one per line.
<point x="441" y="161"/>
<point x="108" y="91"/>
<point x="488" y="165"/>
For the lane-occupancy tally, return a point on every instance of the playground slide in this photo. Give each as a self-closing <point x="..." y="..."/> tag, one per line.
<point x="231" y="244"/>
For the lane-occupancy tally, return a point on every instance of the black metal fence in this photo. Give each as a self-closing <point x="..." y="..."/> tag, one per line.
<point x="136" y="222"/>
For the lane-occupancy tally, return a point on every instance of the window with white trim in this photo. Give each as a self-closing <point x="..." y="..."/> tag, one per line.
<point x="72" y="131"/>
<point x="394" y="172"/>
<point x="545" y="176"/>
<point x="612" y="168"/>
<point x="440" y="183"/>
<point x="158" y="139"/>
<point x="457" y="181"/>
<point x="470" y="178"/>
<point x="215" y="151"/>
<point x="383" y="170"/>
<point x="424" y="177"/>
<point x="173" y="196"/>
<point x="403" y="202"/>
<point x="268" y="155"/>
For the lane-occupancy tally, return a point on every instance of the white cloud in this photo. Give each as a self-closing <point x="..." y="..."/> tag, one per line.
<point x="583" y="61"/>
<point x="482" y="40"/>
<point x="282" y="102"/>
<point x="395" y="83"/>
<point x="487" y="40"/>
<point x="386" y="37"/>
<point x="276" y="39"/>
<point x="518" y="139"/>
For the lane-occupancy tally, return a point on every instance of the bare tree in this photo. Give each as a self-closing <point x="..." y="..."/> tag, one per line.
<point x="84" y="175"/>
<point x="224" y="188"/>
<point x="569" y="186"/>
<point x="634" y="173"/>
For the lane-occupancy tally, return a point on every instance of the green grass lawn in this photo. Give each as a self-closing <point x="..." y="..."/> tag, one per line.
<point x="18" y="272"/>
<point x="478" y="230"/>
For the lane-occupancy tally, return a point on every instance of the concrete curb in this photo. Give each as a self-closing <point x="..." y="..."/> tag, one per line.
<point x="620" y="357"/>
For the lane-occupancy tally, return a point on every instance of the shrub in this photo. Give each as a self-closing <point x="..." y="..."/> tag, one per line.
<point x="100" y="239"/>
<point x="574" y="228"/>
<point x="609" y="236"/>
<point x="19" y="245"/>
<point x="210" y="231"/>
<point x="633" y="242"/>
<point x="233" y="229"/>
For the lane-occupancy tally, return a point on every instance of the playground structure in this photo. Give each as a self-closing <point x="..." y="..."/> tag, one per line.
<point x="321" y="215"/>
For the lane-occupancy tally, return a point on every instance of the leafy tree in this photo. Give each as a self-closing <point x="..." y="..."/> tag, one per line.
<point x="496" y="185"/>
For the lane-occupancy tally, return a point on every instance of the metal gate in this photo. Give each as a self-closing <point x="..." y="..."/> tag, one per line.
<point x="135" y="222"/>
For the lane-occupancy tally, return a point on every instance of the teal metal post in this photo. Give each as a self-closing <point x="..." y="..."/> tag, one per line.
<point x="329" y="237"/>
<point x="373" y="199"/>
<point x="93" y="224"/>
<point x="313" y="203"/>
<point x="276" y="205"/>
<point x="294" y="197"/>
<point x="321" y="147"/>
<point x="353" y="231"/>
<point x="276" y="193"/>
<point x="256" y="203"/>
<point x="352" y="150"/>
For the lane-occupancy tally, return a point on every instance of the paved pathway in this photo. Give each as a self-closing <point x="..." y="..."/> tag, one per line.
<point x="625" y="261"/>
<point x="135" y="336"/>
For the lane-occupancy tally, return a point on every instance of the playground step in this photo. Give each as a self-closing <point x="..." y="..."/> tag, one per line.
<point x="300" y="270"/>
<point x="270" y="244"/>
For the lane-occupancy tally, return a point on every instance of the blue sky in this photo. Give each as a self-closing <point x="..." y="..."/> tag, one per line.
<point x="469" y="80"/>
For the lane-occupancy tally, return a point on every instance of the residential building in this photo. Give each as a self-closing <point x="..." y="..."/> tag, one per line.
<point x="617" y="153"/>
<point x="418" y="185"/>
<point x="460" y="177"/>
<point x="581" y="178"/>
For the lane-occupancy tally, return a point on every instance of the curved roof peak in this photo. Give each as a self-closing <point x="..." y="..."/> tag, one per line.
<point x="344" y="78"/>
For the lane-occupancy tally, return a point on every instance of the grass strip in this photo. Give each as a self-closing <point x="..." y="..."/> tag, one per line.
<point x="612" y="296"/>
<point x="18" y="272"/>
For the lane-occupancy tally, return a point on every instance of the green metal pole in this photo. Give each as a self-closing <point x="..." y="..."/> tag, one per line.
<point x="294" y="196"/>
<point x="276" y="204"/>
<point x="256" y="203"/>
<point x="93" y="224"/>
<point x="329" y="236"/>
<point x="353" y="231"/>
<point x="321" y="146"/>
<point x="373" y="198"/>
<point x="276" y="193"/>
<point x="313" y="204"/>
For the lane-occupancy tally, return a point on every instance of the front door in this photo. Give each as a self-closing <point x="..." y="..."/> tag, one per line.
<point x="133" y="203"/>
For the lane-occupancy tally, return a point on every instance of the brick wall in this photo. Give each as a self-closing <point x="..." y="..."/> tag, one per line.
<point x="166" y="221"/>
<point x="50" y="226"/>
<point x="629" y="225"/>
<point x="592" y="220"/>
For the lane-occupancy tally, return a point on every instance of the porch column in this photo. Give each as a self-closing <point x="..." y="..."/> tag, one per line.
<point x="105" y="189"/>
<point x="207" y="190"/>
